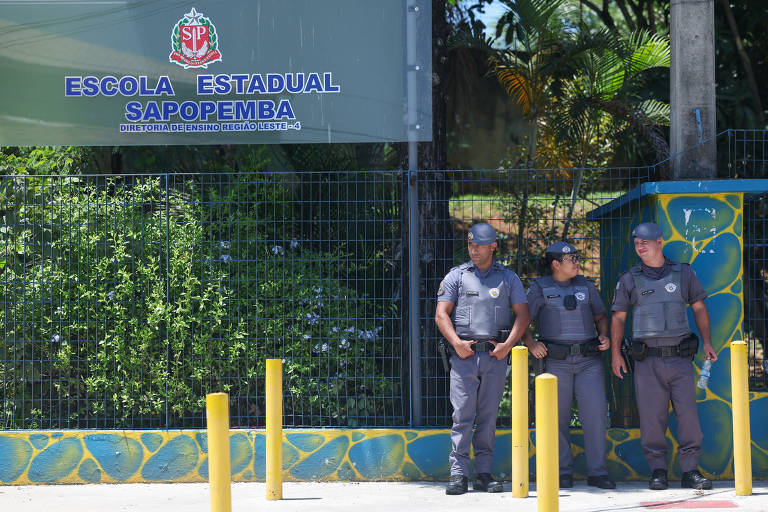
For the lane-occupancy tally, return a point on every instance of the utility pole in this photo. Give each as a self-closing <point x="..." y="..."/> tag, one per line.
<point x="692" y="90"/>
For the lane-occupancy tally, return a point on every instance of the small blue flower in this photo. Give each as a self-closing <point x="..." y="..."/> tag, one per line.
<point x="111" y="295"/>
<point x="294" y="244"/>
<point x="224" y="244"/>
<point x="56" y="338"/>
<point x="226" y="258"/>
<point x="278" y="250"/>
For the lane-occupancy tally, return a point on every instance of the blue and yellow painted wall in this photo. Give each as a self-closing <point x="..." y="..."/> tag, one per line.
<point x="702" y="223"/>
<point x="181" y="456"/>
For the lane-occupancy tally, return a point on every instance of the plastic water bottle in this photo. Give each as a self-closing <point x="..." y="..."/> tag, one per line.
<point x="704" y="376"/>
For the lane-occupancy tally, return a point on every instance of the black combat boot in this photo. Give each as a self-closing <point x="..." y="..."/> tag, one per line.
<point x="658" y="481"/>
<point x="601" y="481"/>
<point x="485" y="482"/>
<point x="457" y="485"/>
<point x="695" y="480"/>
<point x="566" y="481"/>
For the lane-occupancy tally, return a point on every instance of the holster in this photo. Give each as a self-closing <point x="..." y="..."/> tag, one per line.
<point x="689" y="346"/>
<point x="626" y="353"/>
<point x="591" y="348"/>
<point x="639" y="350"/>
<point x="446" y="350"/>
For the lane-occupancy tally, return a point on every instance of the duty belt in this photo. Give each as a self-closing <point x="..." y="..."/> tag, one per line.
<point x="561" y="350"/>
<point x="670" y="351"/>
<point x="482" y="346"/>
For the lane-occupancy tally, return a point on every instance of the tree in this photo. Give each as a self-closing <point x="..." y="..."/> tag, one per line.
<point x="633" y="14"/>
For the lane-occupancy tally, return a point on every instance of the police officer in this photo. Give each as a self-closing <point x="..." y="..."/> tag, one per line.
<point x="567" y="307"/>
<point x="657" y="290"/>
<point x="474" y="313"/>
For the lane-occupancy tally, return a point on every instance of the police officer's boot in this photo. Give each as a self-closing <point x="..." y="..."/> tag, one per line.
<point x="695" y="480"/>
<point x="658" y="481"/>
<point x="485" y="482"/>
<point x="601" y="481"/>
<point x="457" y="485"/>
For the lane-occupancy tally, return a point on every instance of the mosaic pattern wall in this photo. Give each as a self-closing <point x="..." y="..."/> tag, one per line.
<point x="359" y="455"/>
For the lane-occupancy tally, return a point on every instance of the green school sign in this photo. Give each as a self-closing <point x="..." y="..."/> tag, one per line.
<point x="141" y="72"/>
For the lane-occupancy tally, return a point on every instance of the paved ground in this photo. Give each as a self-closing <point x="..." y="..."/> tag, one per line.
<point x="368" y="497"/>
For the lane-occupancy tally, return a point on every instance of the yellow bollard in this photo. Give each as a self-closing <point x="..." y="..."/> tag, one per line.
<point x="217" y="414"/>
<point x="520" y="422"/>
<point x="274" y="429"/>
<point x="547" y="462"/>
<point x="742" y="445"/>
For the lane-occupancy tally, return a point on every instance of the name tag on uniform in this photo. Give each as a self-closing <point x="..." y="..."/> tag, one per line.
<point x="552" y="296"/>
<point x="473" y="294"/>
<point x="647" y="292"/>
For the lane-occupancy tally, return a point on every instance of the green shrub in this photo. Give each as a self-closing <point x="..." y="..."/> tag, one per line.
<point x="124" y="310"/>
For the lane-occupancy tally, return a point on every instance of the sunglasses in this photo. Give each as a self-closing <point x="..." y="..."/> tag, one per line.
<point x="572" y="259"/>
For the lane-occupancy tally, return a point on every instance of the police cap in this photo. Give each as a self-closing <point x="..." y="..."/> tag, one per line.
<point x="647" y="231"/>
<point x="560" y="248"/>
<point x="482" y="234"/>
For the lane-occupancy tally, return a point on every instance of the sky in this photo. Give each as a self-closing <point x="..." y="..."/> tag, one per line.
<point x="492" y="14"/>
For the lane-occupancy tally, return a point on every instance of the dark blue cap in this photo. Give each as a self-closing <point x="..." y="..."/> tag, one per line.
<point x="561" y="248"/>
<point x="482" y="234"/>
<point x="647" y="231"/>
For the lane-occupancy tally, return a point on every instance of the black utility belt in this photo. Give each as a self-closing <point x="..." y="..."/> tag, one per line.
<point x="560" y="351"/>
<point x="686" y="348"/>
<point x="482" y="346"/>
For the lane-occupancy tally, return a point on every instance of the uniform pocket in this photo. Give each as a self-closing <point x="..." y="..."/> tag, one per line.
<point x="463" y="316"/>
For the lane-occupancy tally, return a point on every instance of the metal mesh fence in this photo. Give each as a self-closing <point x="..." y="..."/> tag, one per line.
<point x="756" y="288"/>
<point x="744" y="153"/>
<point x="126" y="299"/>
<point x="529" y="209"/>
<point x="747" y="157"/>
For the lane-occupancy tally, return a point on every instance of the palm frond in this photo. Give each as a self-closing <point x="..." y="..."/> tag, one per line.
<point x="656" y="112"/>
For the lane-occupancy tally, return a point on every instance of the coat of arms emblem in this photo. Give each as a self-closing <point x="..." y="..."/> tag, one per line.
<point x="194" y="42"/>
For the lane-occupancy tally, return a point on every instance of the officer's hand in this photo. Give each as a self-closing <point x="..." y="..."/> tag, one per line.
<point x="500" y="350"/>
<point x="464" y="348"/>
<point x="709" y="351"/>
<point x="538" y="349"/>
<point x="605" y="342"/>
<point x="618" y="365"/>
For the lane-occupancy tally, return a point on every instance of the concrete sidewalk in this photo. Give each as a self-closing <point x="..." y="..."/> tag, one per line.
<point x="368" y="497"/>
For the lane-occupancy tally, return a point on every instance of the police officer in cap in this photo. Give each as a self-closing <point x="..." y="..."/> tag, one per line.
<point x="572" y="324"/>
<point x="474" y="315"/>
<point x="657" y="290"/>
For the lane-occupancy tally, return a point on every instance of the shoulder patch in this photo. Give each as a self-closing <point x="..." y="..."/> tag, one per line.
<point x="441" y="289"/>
